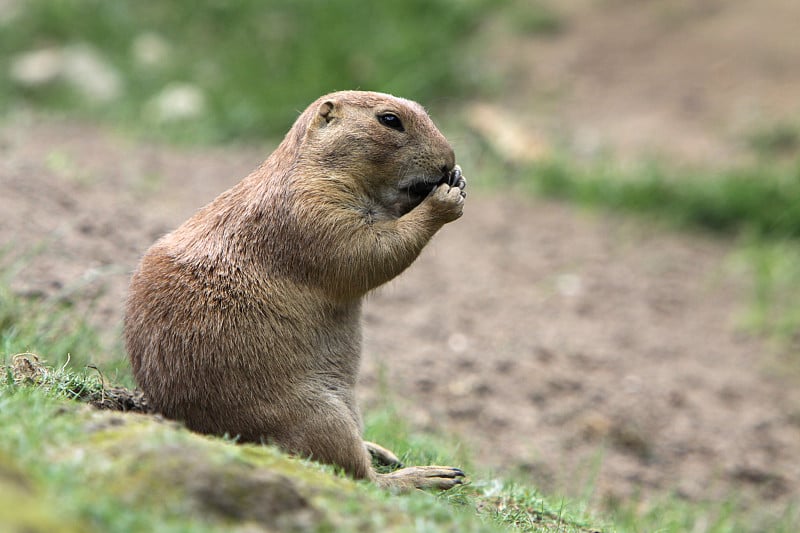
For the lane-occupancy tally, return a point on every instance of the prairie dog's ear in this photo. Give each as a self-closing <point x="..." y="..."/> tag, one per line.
<point x="326" y="110"/>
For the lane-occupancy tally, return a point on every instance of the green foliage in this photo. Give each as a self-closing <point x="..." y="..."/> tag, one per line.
<point x="533" y="17"/>
<point x="257" y="63"/>
<point x="525" y="509"/>
<point x="63" y="382"/>
<point x="46" y="326"/>
<point x="501" y="503"/>
<point x="774" y="268"/>
<point x="111" y="472"/>
<point x="387" y="427"/>
<point x="781" y="139"/>
<point x="115" y="472"/>
<point x="671" y="514"/>
<point x="763" y="200"/>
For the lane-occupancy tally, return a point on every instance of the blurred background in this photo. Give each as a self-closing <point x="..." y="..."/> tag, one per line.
<point x="616" y="317"/>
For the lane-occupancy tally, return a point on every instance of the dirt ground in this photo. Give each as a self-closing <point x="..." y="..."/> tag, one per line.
<point x="685" y="79"/>
<point x="561" y="345"/>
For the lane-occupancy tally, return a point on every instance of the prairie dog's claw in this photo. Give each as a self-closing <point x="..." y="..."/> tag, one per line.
<point x="455" y="176"/>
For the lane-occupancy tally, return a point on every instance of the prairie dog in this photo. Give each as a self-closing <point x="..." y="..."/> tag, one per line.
<point x="245" y="320"/>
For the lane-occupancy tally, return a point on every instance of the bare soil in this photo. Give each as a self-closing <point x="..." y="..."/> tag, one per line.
<point x="685" y="79"/>
<point x="565" y="346"/>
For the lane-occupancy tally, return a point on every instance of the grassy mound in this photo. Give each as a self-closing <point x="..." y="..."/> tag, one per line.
<point x="109" y="470"/>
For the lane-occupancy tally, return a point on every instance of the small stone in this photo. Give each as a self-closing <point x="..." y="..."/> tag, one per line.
<point x="37" y="67"/>
<point x="511" y="139"/>
<point x="569" y="285"/>
<point x="458" y="342"/>
<point x="178" y="101"/>
<point x="9" y="9"/>
<point x="79" y="65"/>
<point x="150" y="50"/>
<point x="88" y="72"/>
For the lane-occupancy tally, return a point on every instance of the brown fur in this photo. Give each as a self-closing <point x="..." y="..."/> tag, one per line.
<point x="246" y="319"/>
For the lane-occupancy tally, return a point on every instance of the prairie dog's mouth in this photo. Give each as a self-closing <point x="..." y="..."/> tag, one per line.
<point x="423" y="185"/>
<point x="420" y="188"/>
<point x="414" y="189"/>
<point x="409" y="194"/>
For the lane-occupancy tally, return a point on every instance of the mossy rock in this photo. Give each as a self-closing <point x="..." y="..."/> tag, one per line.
<point x="22" y="506"/>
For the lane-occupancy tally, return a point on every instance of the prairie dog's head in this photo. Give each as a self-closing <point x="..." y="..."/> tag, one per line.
<point x="387" y="149"/>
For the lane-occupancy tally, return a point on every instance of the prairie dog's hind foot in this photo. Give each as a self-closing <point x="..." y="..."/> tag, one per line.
<point x="422" y="477"/>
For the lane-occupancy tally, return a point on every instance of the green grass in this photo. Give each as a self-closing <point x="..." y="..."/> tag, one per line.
<point x="112" y="472"/>
<point x="781" y="139"/>
<point x="763" y="200"/>
<point x="61" y="463"/>
<point x="505" y="503"/>
<point x="533" y="17"/>
<point x="760" y="198"/>
<point x="44" y="325"/>
<point x="670" y="514"/>
<point x="774" y="268"/>
<point x="256" y="63"/>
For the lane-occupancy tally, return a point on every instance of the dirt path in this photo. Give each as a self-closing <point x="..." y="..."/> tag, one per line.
<point x="682" y="79"/>
<point x="552" y="340"/>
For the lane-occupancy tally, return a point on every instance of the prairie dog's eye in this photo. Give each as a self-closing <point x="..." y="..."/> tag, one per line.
<point x="390" y="120"/>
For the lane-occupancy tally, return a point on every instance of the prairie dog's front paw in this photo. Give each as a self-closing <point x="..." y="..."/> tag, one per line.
<point x="447" y="199"/>
<point x="382" y="456"/>
<point x="457" y="179"/>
